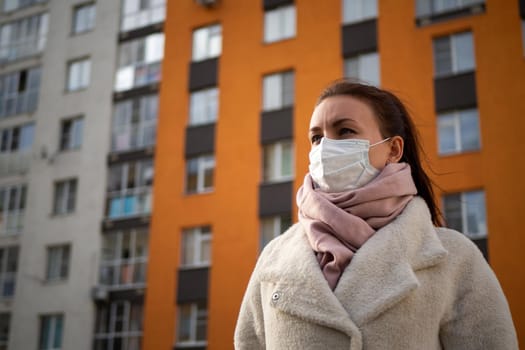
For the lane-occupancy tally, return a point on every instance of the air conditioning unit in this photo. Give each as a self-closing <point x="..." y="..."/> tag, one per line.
<point x="207" y="3"/>
<point x="99" y="293"/>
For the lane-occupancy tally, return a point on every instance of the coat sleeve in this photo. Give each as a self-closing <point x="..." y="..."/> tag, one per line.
<point x="249" y="331"/>
<point x="479" y="317"/>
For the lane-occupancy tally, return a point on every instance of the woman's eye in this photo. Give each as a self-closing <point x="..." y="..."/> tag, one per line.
<point x="315" y="139"/>
<point x="346" y="131"/>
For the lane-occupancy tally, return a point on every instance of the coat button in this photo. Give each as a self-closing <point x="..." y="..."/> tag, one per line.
<point x="276" y="296"/>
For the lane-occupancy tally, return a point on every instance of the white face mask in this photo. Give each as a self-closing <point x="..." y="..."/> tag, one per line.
<point x="342" y="165"/>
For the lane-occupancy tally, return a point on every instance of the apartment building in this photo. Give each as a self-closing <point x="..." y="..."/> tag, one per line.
<point x="78" y="109"/>
<point x="240" y="79"/>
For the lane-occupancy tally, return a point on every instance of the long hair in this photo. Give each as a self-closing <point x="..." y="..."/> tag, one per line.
<point x="394" y="120"/>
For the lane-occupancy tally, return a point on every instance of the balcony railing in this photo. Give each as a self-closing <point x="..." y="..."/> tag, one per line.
<point x="122" y="274"/>
<point x="134" y="137"/>
<point x="129" y="203"/>
<point x="15" y="163"/>
<point x="11" y="223"/>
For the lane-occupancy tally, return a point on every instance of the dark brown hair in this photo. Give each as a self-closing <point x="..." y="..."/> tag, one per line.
<point x="394" y="120"/>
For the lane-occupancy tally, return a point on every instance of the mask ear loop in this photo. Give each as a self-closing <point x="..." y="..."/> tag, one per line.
<point x="380" y="142"/>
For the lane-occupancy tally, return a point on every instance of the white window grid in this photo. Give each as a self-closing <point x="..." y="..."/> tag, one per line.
<point x="65" y="196"/>
<point x="274" y="167"/>
<point x="140" y="62"/>
<point x="466" y="203"/>
<point x="117" y="272"/>
<point x="12" y="209"/>
<point x="79" y="74"/>
<point x="453" y="120"/>
<point x="137" y="194"/>
<point x="5" y="320"/>
<point x="71" y="133"/>
<point x="207" y="42"/>
<point x="120" y="325"/>
<point x="272" y="227"/>
<point x="204" y="105"/>
<point x="58" y="258"/>
<point x="51" y="323"/>
<point x="278" y="90"/>
<point x="434" y="7"/>
<point x="84" y="17"/>
<point x="135" y="123"/>
<point x="203" y="164"/>
<point x="9" y="267"/>
<point x="453" y="55"/>
<point x="137" y="13"/>
<point x="279" y="24"/>
<point x="201" y="239"/>
<point x="198" y="317"/>
<point x="365" y="67"/>
<point x="24" y="37"/>
<point x="359" y="10"/>
<point x="19" y="92"/>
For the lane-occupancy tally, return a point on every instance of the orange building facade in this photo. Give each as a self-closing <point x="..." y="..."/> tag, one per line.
<point x="206" y="226"/>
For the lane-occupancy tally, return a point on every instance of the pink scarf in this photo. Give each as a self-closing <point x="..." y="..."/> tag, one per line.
<point x="338" y="224"/>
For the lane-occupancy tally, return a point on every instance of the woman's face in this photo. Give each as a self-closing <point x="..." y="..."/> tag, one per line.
<point x="346" y="117"/>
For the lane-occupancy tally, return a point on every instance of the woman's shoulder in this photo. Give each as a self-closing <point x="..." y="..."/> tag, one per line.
<point x="460" y="248"/>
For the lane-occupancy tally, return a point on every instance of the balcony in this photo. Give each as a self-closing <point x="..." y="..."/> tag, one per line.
<point x="137" y="19"/>
<point x="123" y="274"/>
<point x="134" y="137"/>
<point x="11" y="223"/>
<point x="14" y="163"/>
<point x="129" y="203"/>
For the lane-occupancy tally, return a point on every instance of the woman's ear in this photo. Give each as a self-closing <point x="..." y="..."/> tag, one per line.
<point x="396" y="149"/>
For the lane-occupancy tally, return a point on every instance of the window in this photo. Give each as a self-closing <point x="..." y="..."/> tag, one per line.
<point x="139" y="62"/>
<point x="278" y="91"/>
<point x="364" y="67"/>
<point x="83" y="18"/>
<point x="192" y="324"/>
<point x="130" y="189"/>
<point x="12" y="209"/>
<point x="204" y="105"/>
<point x="278" y="161"/>
<point x="124" y="259"/>
<point x="196" y="247"/>
<point x="434" y="7"/>
<point x="458" y="131"/>
<point x="207" y="42"/>
<point x="65" y="196"/>
<point x="465" y="212"/>
<point x="58" y="262"/>
<point x="24" y="37"/>
<point x="358" y="10"/>
<point x="15" y="149"/>
<point x="19" y="92"/>
<point x="141" y="13"/>
<point x="78" y="74"/>
<point x="135" y="123"/>
<point x="11" y="5"/>
<point x="279" y="24"/>
<point x="119" y="326"/>
<point x="523" y="35"/>
<point x="273" y="226"/>
<point x="454" y="54"/>
<point x="71" y="134"/>
<point x="51" y="328"/>
<point x="5" y="319"/>
<point x="199" y="174"/>
<point x="8" y="268"/>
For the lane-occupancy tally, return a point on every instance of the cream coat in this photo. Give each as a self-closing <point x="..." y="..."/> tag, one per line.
<point x="411" y="286"/>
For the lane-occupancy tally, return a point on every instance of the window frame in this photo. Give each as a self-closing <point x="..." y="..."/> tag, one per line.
<point x="153" y="17"/>
<point x="279" y="14"/>
<point x="359" y="60"/>
<point x="361" y="17"/>
<point x="200" y="235"/>
<point x="15" y="99"/>
<point x="9" y="215"/>
<point x="211" y="35"/>
<point x="91" y="22"/>
<point x="5" y="324"/>
<point x="125" y="268"/>
<point x="277" y="150"/>
<point x="107" y="318"/>
<point x="196" y="309"/>
<point x="453" y="57"/>
<point x="63" y="206"/>
<point x="454" y="119"/>
<point x="210" y="106"/>
<point x="84" y="70"/>
<point x="74" y="138"/>
<point x="54" y="319"/>
<point x="28" y="46"/>
<point x="281" y="80"/>
<point x="8" y="278"/>
<point x="63" y="263"/>
<point x="204" y="163"/>
<point x="483" y="234"/>
<point x="279" y="223"/>
<point x="427" y="9"/>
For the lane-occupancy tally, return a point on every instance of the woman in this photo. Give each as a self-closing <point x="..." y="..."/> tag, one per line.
<point x="367" y="266"/>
